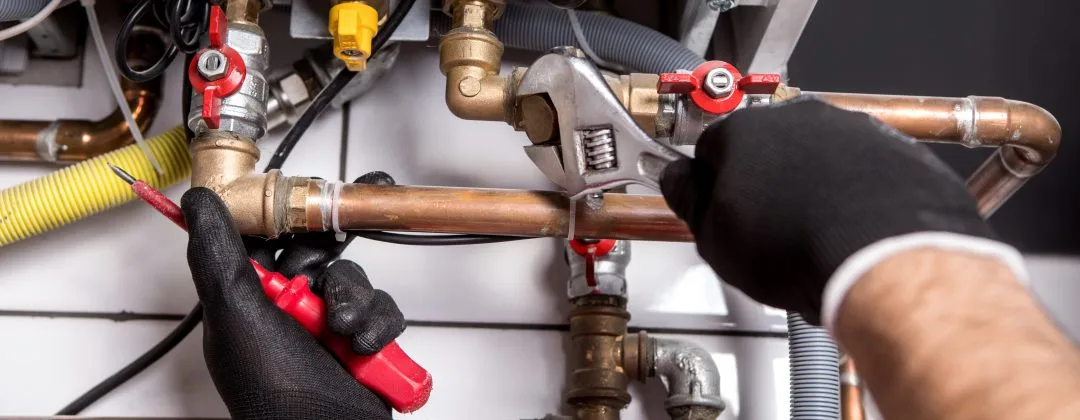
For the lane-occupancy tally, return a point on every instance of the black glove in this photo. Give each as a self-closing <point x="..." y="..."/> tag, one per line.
<point x="264" y="365"/>
<point x="778" y="197"/>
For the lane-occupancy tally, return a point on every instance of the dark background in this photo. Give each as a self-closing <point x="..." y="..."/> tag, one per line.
<point x="1017" y="50"/>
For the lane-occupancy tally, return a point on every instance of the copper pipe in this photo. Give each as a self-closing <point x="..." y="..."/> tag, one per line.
<point x="851" y="406"/>
<point x="485" y="211"/>
<point x="76" y="140"/>
<point x="1027" y="136"/>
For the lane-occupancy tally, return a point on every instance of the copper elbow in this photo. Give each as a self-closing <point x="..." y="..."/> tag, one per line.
<point x="1027" y="136"/>
<point x="76" y="140"/>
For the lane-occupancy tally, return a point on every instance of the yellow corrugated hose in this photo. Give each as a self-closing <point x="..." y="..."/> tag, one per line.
<point x="88" y="187"/>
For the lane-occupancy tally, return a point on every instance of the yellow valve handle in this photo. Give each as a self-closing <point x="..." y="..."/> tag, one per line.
<point x="353" y="25"/>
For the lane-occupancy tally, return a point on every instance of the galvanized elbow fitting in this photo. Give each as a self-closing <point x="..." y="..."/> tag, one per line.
<point x="470" y="56"/>
<point x="691" y="377"/>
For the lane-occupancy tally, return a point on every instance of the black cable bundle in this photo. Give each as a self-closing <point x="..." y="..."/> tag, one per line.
<point x="185" y="22"/>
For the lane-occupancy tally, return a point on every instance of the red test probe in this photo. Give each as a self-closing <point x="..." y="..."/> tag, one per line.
<point x="403" y="383"/>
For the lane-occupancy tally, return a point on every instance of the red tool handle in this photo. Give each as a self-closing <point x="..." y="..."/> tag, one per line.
<point x="389" y="373"/>
<point x="403" y="383"/>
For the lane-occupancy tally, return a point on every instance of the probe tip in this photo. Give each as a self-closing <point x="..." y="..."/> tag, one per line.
<point x="122" y="174"/>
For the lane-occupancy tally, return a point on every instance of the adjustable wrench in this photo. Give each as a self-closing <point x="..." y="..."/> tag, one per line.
<point x="600" y="146"/>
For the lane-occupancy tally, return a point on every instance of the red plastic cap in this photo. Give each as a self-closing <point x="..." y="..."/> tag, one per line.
<point x="392" y="374"/>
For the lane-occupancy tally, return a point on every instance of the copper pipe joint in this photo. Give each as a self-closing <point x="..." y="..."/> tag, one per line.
<point x="225" y="163"/>
<point x="1027" y="136"/>
<point x="598" y="383"/>
<point x="76" y="140"/>
<point x="973" y="121"/>
<point x="482" y="211"/>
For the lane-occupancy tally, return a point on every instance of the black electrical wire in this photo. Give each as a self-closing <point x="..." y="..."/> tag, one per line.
<point x="328" y="93"/>
<point x="185" y="100"/>
<point x="185" y="21"/>
<point x="134" y="368"/>
<point x="322" y="101"/>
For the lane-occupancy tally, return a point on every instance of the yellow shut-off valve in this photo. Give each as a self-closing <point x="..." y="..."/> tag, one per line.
<point x="353" y="24"/>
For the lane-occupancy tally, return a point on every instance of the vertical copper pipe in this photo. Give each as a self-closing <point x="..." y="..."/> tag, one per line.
<point x="850" y="392"/>
<point x="1027" y="136"/>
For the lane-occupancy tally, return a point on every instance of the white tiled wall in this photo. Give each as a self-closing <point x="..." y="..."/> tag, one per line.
<point x="80" y="272"/>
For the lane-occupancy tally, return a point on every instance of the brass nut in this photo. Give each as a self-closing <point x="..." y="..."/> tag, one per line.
<point x="643" y="100"/>
<point x="296" y="213"/>
<point x="473" y="48"/>
<point x="469" y="86"/>
<point x="538" y="118"/>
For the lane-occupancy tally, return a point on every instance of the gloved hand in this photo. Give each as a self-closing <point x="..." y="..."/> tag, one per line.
<point x="264" y="365"/>
<point x="779" y="197"/>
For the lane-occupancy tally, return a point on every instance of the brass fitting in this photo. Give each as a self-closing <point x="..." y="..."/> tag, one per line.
<point x="470" y="56"/>
<point x="598" y="382"/>
<point x="225" y="163"/>
<point x="245" y="11"/>
<point x="637" y="92"/>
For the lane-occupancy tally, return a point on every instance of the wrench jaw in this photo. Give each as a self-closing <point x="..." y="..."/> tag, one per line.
<point x="600" y="145"/>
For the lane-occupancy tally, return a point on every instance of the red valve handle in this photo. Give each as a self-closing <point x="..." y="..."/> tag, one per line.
<point x="592" y="250"/>
<point x="690" y="84"/>
<point x="391" y="373"/>
<point x="235" y="72"/>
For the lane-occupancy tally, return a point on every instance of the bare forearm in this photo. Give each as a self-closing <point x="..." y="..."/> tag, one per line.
<point x="941" y="335"/>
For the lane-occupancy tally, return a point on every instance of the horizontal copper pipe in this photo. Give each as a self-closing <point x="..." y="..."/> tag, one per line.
<point x="307" y="205"/>
<point x="1027" y="136"/>
<point x="75" y="140"/>
<point x="495" y="212"/>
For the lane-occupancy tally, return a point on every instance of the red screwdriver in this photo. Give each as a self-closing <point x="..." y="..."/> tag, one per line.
<point x="403" y="383"/>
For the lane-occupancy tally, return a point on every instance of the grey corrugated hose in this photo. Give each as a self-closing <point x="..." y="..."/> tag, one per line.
<point x="541" y="28"/>
<point x="20" y="9"/>
<point x="815" y="371"/>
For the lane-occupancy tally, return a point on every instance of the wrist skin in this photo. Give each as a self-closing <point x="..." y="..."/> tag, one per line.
<point x="953" y="335"/>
